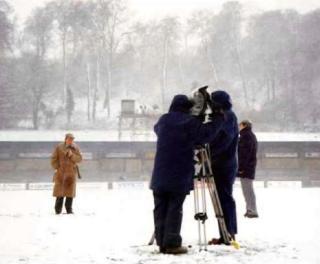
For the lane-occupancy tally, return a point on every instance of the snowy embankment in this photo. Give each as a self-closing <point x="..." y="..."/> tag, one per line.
<point x="137" y="135"/>
<point x="114" y="226"/>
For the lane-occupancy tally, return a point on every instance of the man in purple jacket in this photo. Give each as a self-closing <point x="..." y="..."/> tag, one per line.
<point x="247" y="155"/>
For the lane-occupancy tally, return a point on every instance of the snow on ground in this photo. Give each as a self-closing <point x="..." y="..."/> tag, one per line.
<point x="114" y="226"/>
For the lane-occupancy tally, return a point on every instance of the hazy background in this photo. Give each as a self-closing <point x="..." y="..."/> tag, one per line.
<point x="68" y="64"/>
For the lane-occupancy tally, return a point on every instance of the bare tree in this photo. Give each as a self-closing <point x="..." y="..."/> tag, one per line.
<point x="6" y="27"/>
<point x="199" y="26"/>
<point x="37" y="37"/>
<point x="168" y="29"/>
<point x="108" y="19"/>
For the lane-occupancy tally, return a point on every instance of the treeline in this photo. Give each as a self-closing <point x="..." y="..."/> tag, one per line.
<point x="72" y="60"/>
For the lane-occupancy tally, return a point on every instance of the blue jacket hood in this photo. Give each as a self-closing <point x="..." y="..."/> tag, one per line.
<point x="180" y="103"/>
<point x="222" y="98"/>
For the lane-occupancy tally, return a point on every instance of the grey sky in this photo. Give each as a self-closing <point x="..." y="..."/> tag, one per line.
<point x="157" y="8"/>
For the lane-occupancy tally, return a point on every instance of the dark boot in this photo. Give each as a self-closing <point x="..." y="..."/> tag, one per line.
<point x="251" y="215"/>
<point x="68" y="205"/>
<point x="220" y="241"/>
<point x="176" y="250"/>
<point x="58" y="205"/>
<point x="162" y="250"/>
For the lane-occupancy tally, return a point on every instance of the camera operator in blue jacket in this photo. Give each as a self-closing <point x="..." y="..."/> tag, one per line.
<point x="178" y="134"/>
<point x="224" y="161"/>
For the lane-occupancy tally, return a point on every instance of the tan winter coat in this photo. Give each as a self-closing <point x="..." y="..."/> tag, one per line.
<point x="65" y="175"/>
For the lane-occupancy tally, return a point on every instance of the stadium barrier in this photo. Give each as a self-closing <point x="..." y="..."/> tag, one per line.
<point x="22" y="162"/>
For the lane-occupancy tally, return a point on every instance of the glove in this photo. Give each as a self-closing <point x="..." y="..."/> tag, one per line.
<point x="216" y="114"/>
<point x="201" y="118"/>
<point x="69" y="153"/>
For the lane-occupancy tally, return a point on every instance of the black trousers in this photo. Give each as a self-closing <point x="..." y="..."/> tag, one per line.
<point x="59" y="204"/>
<point x="224" y="182"/>
<point x="168" y="218"/>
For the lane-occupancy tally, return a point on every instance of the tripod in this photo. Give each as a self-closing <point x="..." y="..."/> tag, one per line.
<point x="202" y="180"/>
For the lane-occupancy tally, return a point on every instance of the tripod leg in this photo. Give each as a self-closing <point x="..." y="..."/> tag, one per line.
<point x="202" y="216"/>
<point x="196" y="208"/>
<point x="151" y="241"/>
<point x="204" y="209"/>
<point x="203" y="195"/>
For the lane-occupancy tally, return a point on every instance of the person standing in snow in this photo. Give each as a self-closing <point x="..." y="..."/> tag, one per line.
<point x="64" y="161"/>
<point x="247" y="154"/>
<point x="178" y="134"/>
<point x="224" y="162"/>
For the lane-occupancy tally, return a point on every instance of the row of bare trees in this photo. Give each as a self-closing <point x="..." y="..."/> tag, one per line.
<point x="77" y="57"/>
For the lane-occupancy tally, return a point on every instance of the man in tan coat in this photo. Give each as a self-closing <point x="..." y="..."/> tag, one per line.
<point x="64" y="161"/>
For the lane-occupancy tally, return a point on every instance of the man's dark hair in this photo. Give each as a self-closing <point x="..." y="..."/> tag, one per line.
<point x="246" y="123"/>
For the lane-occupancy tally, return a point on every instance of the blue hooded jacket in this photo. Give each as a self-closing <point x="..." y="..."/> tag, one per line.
<point x="224" y="147"/>
<point x="178" y="134"/>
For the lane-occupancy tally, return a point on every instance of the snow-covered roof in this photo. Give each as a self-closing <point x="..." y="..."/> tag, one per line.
<point x="83" y="135"/>
<point x="111" y="136"/>
<point x="287" y="137"/>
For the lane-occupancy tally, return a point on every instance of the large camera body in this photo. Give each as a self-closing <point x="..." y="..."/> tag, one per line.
<point x="203" y="106"/>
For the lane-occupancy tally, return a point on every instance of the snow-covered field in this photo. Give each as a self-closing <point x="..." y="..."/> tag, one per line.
<point x="114" y="226"/>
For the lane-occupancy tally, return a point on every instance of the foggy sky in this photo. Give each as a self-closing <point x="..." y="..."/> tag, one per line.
<point x="147" y="9"/>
